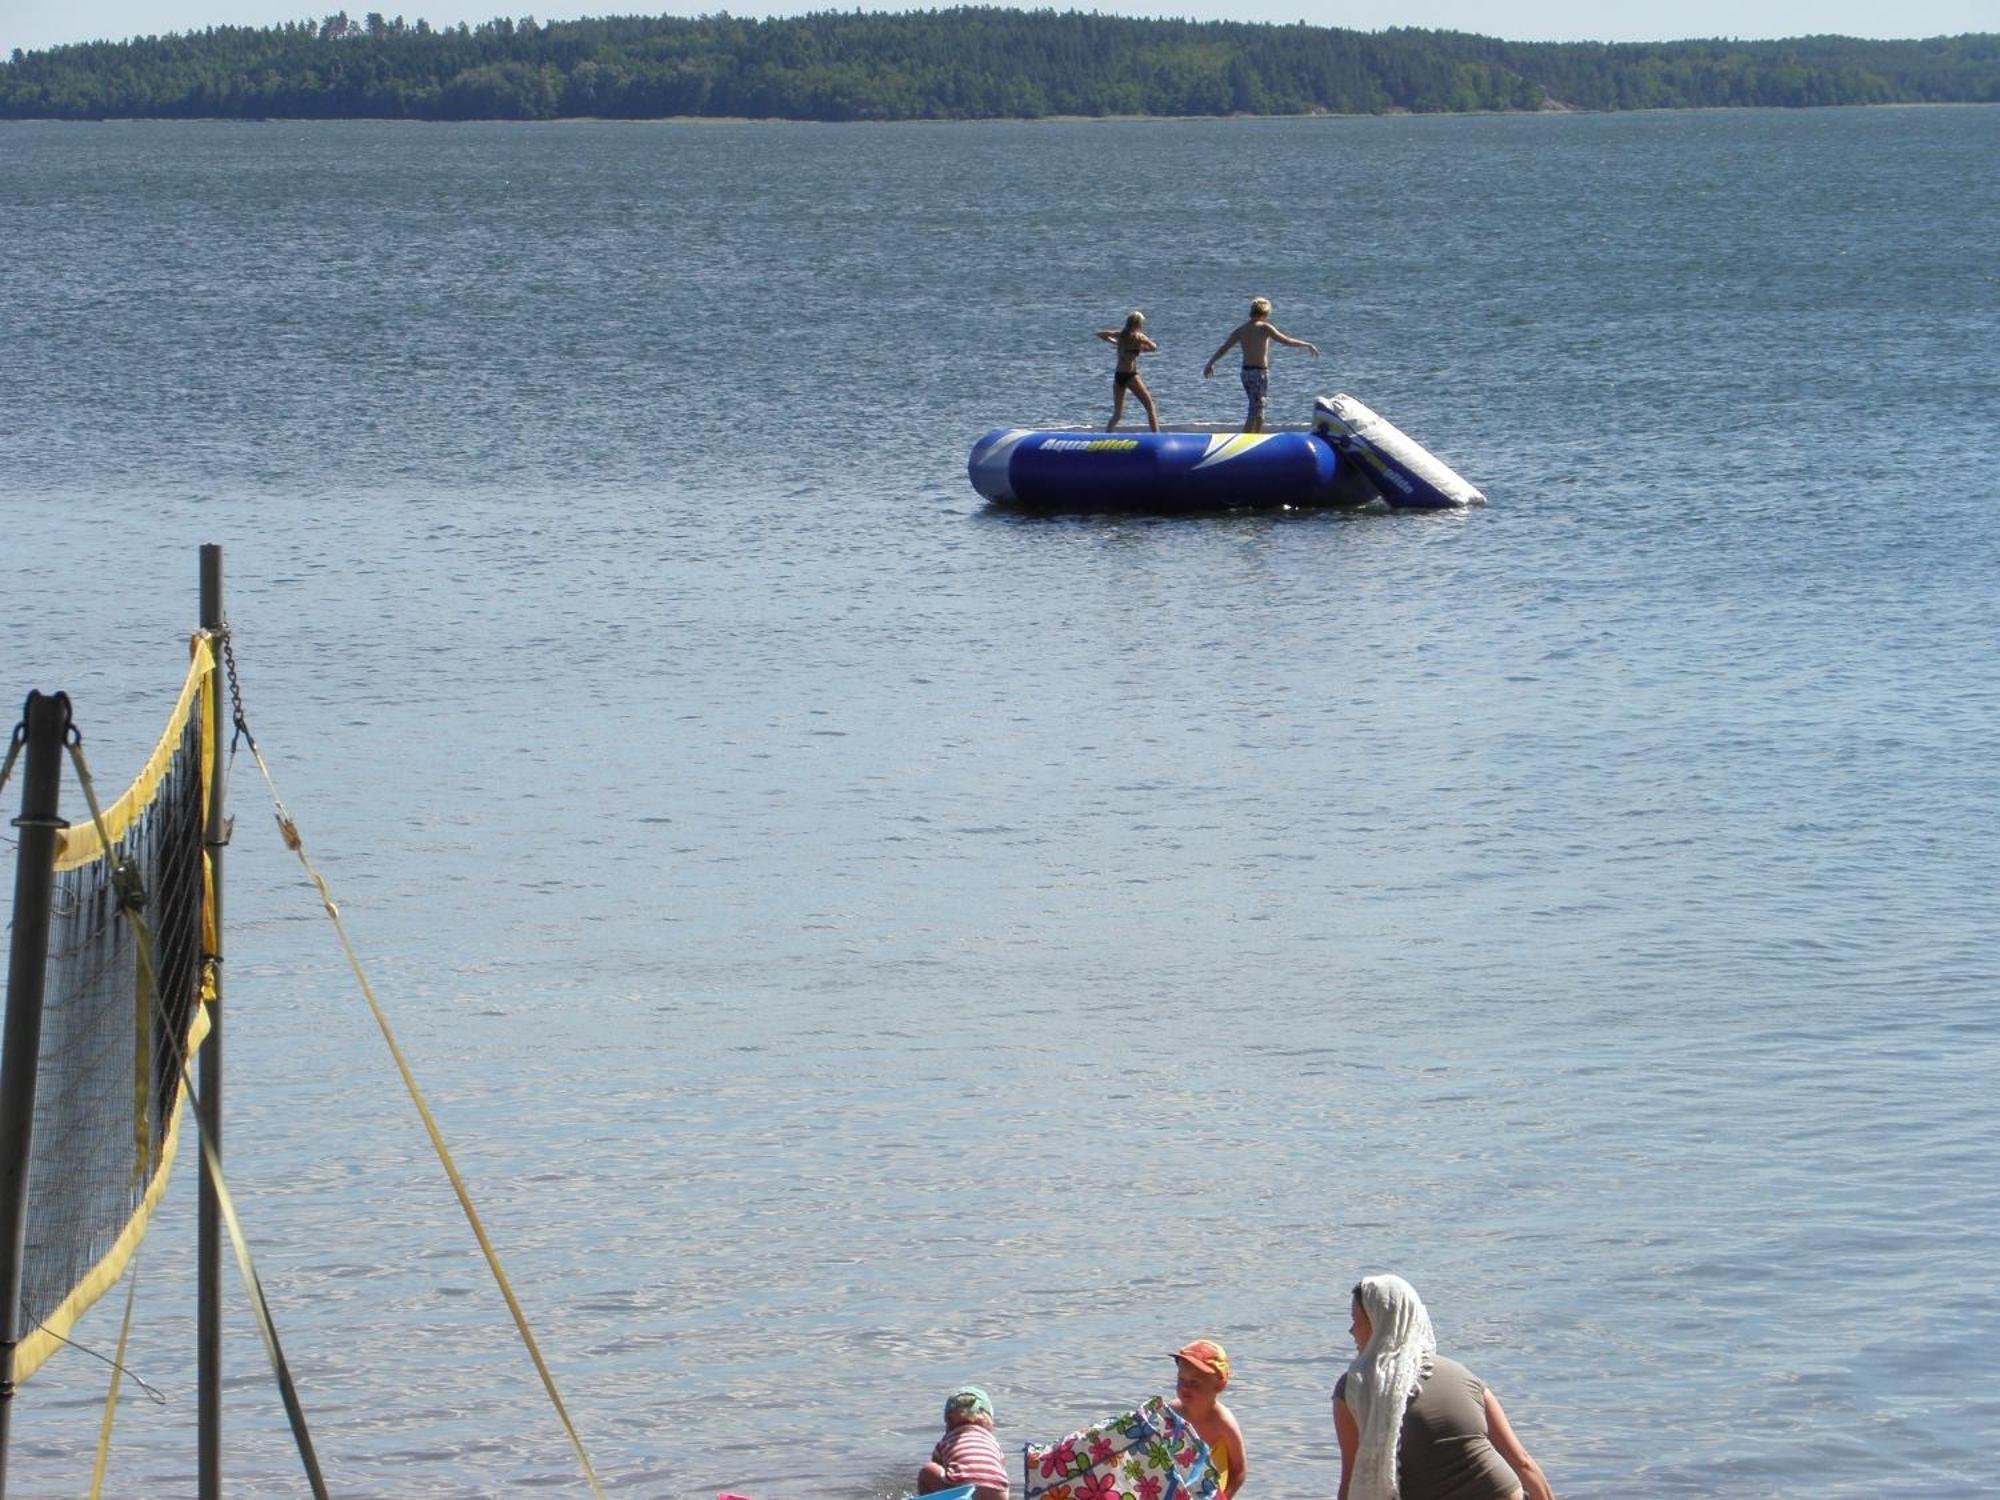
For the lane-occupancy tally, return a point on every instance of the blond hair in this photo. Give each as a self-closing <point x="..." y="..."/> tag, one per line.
<point x="1260" y="307"/>
<point x="1135" y="319"/>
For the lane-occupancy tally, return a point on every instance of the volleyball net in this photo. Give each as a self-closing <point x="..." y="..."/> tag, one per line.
<point x="131" y="938"/>
<point x="128" y="993"/>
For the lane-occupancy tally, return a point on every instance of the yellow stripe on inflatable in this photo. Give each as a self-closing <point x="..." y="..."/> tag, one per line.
<point x="1222" y="449"/>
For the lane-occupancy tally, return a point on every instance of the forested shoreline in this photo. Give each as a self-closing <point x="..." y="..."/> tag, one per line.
<point x="973" y="63"/>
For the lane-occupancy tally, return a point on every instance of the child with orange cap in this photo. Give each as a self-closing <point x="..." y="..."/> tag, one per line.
<point x="968" y="1453"/>
<point x="1203" y="1371"/>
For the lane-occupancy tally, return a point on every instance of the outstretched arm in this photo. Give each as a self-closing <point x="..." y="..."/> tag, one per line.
<point x="1227" y="344"/>
<point x="1534" y="1483"/>
<point x="1291" y="343"/>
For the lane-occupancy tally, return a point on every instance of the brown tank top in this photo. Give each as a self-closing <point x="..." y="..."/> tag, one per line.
<point x="1445" y="1454"/>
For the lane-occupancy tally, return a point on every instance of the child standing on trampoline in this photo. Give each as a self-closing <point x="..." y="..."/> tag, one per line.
<point x="1130" y="342"/>
<point x="1255" y="337"/>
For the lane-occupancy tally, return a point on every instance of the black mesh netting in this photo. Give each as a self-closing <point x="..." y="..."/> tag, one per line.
<point x="109" y="1078"/>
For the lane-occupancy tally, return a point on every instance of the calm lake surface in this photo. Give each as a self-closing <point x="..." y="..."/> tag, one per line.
<point x="859" y="941"/>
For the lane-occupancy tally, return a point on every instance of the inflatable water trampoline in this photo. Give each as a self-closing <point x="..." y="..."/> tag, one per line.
<point x="1348" y="456"/>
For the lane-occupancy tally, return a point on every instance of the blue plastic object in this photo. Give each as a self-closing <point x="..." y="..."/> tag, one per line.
<point x="1154" y="471"/>
<point x="1350" y="456"/>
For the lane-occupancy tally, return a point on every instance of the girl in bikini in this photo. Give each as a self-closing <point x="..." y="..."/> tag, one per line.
<point x="1130" y="342"/>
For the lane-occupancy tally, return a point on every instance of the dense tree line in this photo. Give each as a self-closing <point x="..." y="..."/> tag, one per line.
<point x="949" y="64"/>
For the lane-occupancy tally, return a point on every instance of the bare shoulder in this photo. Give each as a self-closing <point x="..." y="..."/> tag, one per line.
<point x="1232" y="1442"/>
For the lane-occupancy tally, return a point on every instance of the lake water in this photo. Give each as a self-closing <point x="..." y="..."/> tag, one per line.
<point x="860" y="941"/>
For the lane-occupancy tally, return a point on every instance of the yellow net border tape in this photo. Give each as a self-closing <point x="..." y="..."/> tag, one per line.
<point x="48" y="1335"/>
<point x="78" y="845"/>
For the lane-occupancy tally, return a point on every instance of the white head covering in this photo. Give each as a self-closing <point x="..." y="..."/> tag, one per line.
<point x="1383" y="1377"/>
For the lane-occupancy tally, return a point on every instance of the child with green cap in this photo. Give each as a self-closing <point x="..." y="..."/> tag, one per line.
<point x="968" y="1453"/>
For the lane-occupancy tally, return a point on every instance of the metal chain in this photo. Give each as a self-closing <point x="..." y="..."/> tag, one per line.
<point x="242" y="729"/>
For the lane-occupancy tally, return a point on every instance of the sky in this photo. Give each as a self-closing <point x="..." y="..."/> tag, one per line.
<point x="35" y="24"/>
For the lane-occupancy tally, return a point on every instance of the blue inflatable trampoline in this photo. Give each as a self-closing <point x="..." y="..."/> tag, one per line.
<point x="1349" y="456"/>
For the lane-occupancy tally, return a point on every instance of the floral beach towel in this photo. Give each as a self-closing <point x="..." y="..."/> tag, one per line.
<point x="1148" y="1454"/>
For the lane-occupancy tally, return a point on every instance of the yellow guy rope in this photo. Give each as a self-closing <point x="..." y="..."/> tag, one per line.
<point x="289" y="830"/>
<point x="111" y="1395"/>
<point x="259" y="1305"/>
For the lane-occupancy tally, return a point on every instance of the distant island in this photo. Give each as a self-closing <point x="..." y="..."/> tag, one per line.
<point x="965" y="64"/>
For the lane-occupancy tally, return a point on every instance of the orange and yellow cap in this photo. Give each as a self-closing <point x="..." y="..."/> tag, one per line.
<point x="1206" y="1355"/>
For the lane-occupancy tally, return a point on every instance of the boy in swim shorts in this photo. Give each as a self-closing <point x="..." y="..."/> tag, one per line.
<point x="968" y="1453"/>
<point x="1255" y="338"/>
<point x="1201" y="1371"/>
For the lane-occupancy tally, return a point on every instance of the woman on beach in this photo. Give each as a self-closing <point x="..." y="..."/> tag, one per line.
<point x="1416" y="1426"/>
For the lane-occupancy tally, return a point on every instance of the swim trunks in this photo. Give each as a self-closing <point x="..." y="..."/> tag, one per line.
<point x="1256" y="385"/>
<point x="1120" y="379"/>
